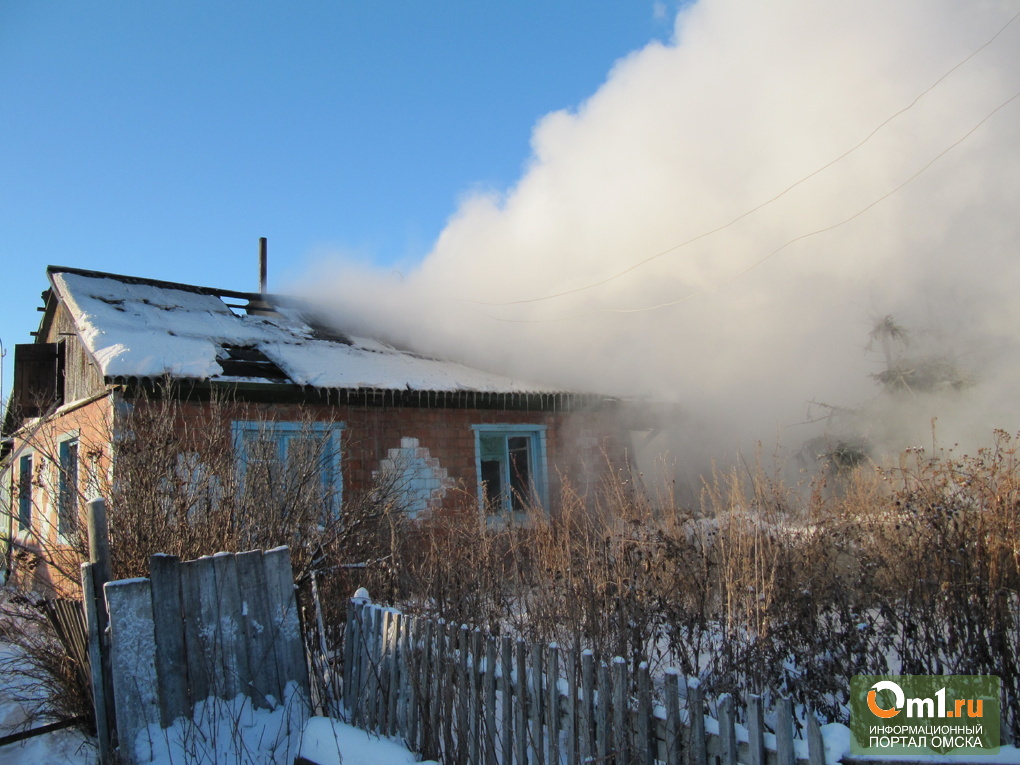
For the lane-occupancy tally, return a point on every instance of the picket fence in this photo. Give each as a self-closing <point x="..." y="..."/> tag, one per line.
<point x="461" y="697"/>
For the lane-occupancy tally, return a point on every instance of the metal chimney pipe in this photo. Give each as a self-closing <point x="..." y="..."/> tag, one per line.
<point x="263" y="264"/>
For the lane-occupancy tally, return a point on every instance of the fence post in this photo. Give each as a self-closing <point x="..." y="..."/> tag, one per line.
<point x="755" y="731"/>
<point x="645" y="739"/>
<point x="696" y="720"/>
<point x="508" y="700"/>
<point x="727" y="730"/>
<point x="784" y="733"/>
<point x="587" y="732"/>
<point x="673" y="724"/>
<point x="621" y="710"/>
<point x="553" y="703"/>
<point x="95" y="575"/>
<point x="603" y="717"/>
<point x="521" y="693"/>
<point x="816" y="745"/>
<point x="570" y="723"/>
<point x="491" y="662"/>
<point x="538" y="704"/>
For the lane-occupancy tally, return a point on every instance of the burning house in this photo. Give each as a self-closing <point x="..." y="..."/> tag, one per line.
<point x="108" y="344"/>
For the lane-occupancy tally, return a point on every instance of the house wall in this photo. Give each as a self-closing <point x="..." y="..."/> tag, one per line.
<point x="41" y="553"/>
<point x="582" y="446"/>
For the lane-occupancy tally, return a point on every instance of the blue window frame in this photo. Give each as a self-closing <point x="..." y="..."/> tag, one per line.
<point x="291" y="461"/>
<point x="510" y="465"/>
<point x="67" y="487"/>
<point x="25" y="493"/>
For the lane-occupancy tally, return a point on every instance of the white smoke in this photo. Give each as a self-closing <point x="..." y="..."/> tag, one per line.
<point x="773" y="311"/>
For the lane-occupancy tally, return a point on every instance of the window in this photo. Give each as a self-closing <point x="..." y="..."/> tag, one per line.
<point x="25" y="493"/>
<point x="290" y="464"/>
<point x="67" y="488"/>
<point x="511" y="467"/>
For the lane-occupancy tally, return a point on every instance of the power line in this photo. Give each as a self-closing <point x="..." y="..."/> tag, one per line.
<point x="782" y="247"/>
<point x="767" y="202"/>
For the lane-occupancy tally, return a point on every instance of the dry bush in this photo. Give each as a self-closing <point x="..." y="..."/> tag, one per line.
<point x="760" y="588"/>
<point x="177" y="487"/>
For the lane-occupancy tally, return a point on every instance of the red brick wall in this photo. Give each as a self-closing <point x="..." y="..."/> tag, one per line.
<point x="581" y="446"/>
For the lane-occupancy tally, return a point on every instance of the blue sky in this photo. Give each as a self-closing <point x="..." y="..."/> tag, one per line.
<point x="511" y="185"/>
<point x="162" y="139"/>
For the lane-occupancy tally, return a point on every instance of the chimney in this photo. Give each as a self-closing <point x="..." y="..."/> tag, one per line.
<point x="263" y="264"/>
<point x="259" y="306"/>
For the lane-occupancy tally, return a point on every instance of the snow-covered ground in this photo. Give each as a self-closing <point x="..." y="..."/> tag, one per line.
<point x="324" y="741"/>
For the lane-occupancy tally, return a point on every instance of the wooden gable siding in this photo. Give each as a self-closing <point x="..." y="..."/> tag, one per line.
<point x="81" y="377"/>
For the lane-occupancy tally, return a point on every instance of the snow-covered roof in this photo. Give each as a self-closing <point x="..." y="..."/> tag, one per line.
<point x="140" y="328"/>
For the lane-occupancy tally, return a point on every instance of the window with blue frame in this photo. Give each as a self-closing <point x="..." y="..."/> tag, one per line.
<point x="293" y="465"/>
<point x="25" y="498"/>
<point x="510" y="463"/>
<point x="67" y="487"/>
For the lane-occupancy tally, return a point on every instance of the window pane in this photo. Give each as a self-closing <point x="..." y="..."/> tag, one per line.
<point x="25" y="493"/>
<point x="492" y="485"/>
<point x="520" y="471"/>
<point x="67" y="501"/>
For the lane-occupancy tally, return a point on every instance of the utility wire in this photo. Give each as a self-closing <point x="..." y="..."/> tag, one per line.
<point x="767" y="202"/>
<point x="782" y="247"/>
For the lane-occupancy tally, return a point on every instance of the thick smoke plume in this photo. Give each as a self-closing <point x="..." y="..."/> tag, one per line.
<point x="635" y="255"/>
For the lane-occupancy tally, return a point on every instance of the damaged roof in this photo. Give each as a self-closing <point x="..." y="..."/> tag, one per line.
<point x="148" y="329"/>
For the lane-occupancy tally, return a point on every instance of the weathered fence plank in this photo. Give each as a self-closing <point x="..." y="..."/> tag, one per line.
<point x="490" y="700"/>
<point x="784" y="733"/>
<point x="290" y="652"/>
<point x="233" y="648"/>
<point x="265" y="672"/>
<point x="755" y="731"/>
<point x="673" y="724"/>
<point x="696" y="744"/>
<point x="521" y="702"/>
<point x="552" y="704"/>
<point x="198" y="595"/>
<point x="133" y="659"/>
<point x="168" y="625"/>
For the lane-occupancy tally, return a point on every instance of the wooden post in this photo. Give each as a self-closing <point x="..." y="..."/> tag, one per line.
<point x="784" y="733"/>
<point x="621" y="710"/>
<point x="475" y="700"/>
<point x="508" y="700"/>
<point x="727" y="730"/>
<point x="553" y="703"/>
<point x="698" y="743"/>
<point x="645" y="738"/>
<point x="673" y="724"/>
<point x="570" y="719"/>
<point x="538" y="704"/>
<point x="603" y="714"/>
<point x="816" y="745"/>
<point x="102" y="691"/>
<point x="464" y="696"/>
<point x="491" y="662"/>
<point x="755" y="731"/>
<point x="587" y="731"/>
<point x="521" y="696"/>
<point x="95" y="603"/>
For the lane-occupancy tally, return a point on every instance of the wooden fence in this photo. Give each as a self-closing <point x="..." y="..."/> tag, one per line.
<point x="462" y="697"/>
<point x="220" y="627"/>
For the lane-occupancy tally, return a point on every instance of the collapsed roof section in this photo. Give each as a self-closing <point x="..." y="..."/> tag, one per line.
<point x="137" y="329"/>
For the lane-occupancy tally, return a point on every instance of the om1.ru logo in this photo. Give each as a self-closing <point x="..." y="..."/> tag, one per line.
<point x="926" y="708"/>
<point x="924" y="714"/>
